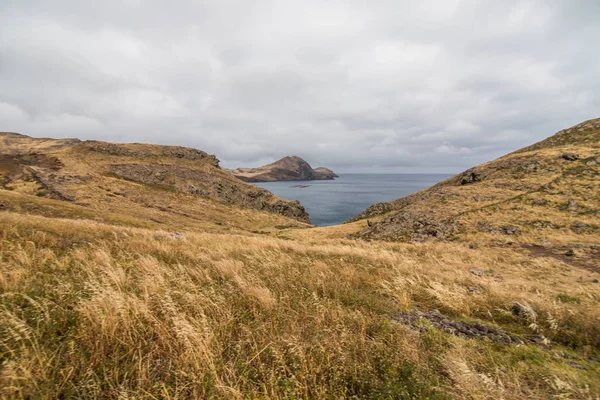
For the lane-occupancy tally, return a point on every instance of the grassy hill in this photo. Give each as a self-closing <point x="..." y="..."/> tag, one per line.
<point x="545" y="197"/>
<point x="156" y="184"/>
<point x="116" y="281"/>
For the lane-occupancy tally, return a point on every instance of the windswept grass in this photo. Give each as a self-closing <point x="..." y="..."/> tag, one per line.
<point x="92" y="310"/>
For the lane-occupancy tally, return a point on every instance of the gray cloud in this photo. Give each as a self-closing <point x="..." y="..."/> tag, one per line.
<point x="389" y="86"/>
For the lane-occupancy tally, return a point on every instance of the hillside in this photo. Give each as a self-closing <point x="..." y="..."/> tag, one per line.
<point x="289" y="168"/>
<point x="119" y="281"/>
<point x="15" y="144"/>
<point x="545" y="196"/>
<point x="158" y="182"/>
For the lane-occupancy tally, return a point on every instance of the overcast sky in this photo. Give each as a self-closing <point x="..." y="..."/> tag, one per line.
<point x="358" y="86"/>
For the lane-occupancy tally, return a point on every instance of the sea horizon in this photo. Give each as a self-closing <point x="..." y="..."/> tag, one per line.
<point x="332" y="202"/>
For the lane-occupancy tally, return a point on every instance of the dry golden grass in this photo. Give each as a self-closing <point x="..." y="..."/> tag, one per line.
<point x="131" y="290"/>
<point x="94" y="310"/>
<point x="548" y="198"/>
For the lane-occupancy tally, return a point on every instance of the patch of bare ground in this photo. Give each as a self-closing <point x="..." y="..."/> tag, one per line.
<point x="582" y="257"/>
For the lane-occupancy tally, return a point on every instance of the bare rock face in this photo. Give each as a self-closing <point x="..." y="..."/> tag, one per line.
<point x="290" y="168"/>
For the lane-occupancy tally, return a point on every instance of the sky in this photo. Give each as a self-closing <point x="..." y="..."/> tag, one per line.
<point x="355" y="85"/>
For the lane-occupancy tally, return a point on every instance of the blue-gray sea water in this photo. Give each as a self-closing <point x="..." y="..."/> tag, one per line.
<point x="333" y="202"/>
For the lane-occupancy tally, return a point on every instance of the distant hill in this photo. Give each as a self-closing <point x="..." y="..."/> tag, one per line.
<point x="291" y="168"/>
<point x="549" y="190"/>
<point x="105" y="176"/>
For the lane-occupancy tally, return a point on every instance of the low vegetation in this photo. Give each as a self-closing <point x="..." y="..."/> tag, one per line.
<point x="96" y="310"/>
<point x="123" y="288"/>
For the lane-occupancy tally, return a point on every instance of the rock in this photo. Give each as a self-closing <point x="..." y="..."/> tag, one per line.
<point x="575" y="365"/>
<point x="470" y="176"/>
<point x="539" y="339"/>
<point x="476" y="271"/>
<point x="543" y="224"/>
<point x="463" y="329"/>
<point x="595" y="281"/>
<point x="540" y="202"/>
<point x="473" y="245"/>
<point x="580" y="227"/>
<point x="511" y="230"/>
<point x="570" y="253"/>
<point x="473" y="289"/>
<point x="524" y="311"/>
<point x="170" y="236"/>
<point x="570" y="156"/>
<point x="3" y="205"/>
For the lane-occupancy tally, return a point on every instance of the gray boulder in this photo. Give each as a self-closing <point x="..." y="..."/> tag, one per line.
<point x="524" y="311"/>
<point x="570" y="156"/>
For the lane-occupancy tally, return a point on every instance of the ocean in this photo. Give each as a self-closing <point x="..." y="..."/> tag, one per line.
<point x="333" y="202"/>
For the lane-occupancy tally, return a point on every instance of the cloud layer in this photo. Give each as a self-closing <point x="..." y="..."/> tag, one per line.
<point x="356" y="85"/>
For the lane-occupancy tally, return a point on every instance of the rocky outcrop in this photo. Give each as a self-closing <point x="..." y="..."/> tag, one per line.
<point x="570" y="156"/>
<point x="470" y="176"/>
<point x="139" y="150"/>
<point x="208" y="184"/>
<point x="410" y="226"/>
<point x="290" y="168"/>
<point x="325" y="173"/>
<point x="464" y="329"/>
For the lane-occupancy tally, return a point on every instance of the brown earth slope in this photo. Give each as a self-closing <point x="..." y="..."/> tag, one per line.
<point x="118" y="177"/>
<point x="289" y="168"/>
<point x="547" y="194"/>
